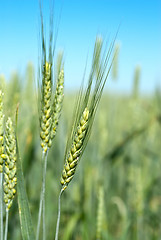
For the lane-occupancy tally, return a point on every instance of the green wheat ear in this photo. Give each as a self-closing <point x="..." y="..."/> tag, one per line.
<point x="50" y="108"/>
<point x="45" y="117"/>
<point x="50" y="99"/>
<point x="85" y="111"/>
<point x="10" y="179"/>
<point x="73" y="155"/>
<point x="57" y="103"/>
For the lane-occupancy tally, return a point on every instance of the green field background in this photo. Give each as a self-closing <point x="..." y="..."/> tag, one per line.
<point x="116" y="191"/>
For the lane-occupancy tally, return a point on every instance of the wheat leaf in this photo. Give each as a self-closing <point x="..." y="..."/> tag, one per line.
<point x="24" y="211"/>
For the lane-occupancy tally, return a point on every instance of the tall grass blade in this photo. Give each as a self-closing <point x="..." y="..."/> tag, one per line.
<point x="24" y="211"/>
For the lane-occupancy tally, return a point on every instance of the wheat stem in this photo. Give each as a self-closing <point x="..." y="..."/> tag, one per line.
<point x="43" y="219"/>
<point x="42" y="198"/>
<point x="58" y="218"/>
<point x="6" y="226"/>
<point x="39" y="218"/>
<point x="43" y="191"/>
<point x="1" y="206"/>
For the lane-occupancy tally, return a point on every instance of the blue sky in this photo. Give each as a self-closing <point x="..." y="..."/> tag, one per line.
<point x="81" y="20"/>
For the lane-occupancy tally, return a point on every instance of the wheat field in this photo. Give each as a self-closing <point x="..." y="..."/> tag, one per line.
<point x="116" y="191"/>
<point x="80" y="163"/>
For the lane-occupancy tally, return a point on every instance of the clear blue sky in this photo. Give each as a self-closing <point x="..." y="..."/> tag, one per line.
<point x="81" y="21"/>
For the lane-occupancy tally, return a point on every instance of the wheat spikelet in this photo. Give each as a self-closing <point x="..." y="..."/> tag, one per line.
<point x="57" y="103"/>
<point x="75" y="151"/>
<point x="10" y="179"/>
<point x="84" y="113"/>
<point x="50" y="106"/>
<point x="45" y="118"/>
<point x="2" y="156"/>
<point x="45" y="84"/>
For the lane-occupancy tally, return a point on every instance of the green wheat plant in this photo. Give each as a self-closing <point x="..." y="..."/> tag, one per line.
<point x="50" y="105"/>
<point x="8" y="167"/>
<point x="84" y="113"/>
<point x="8" y="175"/>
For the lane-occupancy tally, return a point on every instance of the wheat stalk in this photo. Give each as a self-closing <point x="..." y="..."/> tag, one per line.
<point x="50" y="105"/>
<point x="84" y="113"/>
